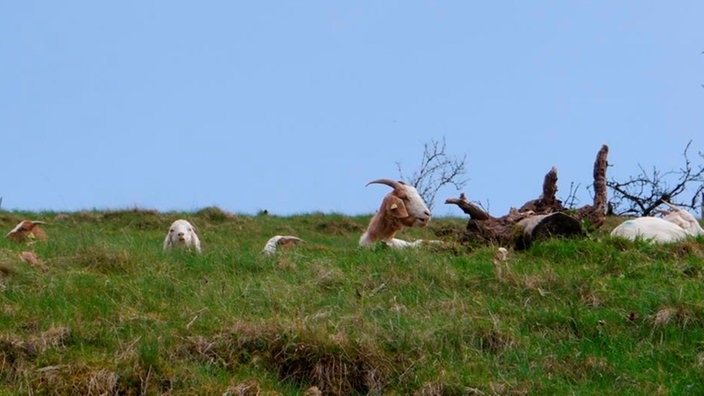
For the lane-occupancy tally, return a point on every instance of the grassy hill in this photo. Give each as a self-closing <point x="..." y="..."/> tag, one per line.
<point x="106" y="311"/>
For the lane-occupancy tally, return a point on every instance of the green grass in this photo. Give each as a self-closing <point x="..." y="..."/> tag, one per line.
<point x="108" y="312"/>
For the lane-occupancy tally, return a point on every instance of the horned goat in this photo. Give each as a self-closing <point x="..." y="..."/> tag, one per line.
<point x="677" y="225"/>
<point x="279" y="241"/>
<point x="402" y="207"/>
<point x="182" y="234"/>
<point x="26" y="231"/>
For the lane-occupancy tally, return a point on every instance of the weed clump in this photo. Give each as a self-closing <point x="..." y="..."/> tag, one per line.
<point x="104" y="259"/>
<point x="306" y="358"/>
<point x="214" y="214"/>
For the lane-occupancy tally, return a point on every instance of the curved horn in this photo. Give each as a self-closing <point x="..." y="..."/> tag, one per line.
<point x="391" y="183"/>
<point x="288" y="239"/>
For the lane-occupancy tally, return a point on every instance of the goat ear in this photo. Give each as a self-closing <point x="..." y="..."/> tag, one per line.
<point x="396" y="207"/>
<point x="196" y="241"/>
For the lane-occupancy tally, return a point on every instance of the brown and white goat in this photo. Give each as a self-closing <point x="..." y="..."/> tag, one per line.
<point x="402" y="207"/>
<point x="27" y="231"/>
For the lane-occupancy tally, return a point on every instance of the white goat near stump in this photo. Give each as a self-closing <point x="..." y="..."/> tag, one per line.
<point x="677" y="225"/>
<point x="182" y="234"/>
<point x="402" y="207"/>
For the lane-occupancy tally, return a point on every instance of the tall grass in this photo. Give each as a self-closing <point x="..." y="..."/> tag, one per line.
<point x="106" y="311"/>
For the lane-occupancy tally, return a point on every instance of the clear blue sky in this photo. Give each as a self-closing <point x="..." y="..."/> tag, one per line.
<point x="293" y="106"/>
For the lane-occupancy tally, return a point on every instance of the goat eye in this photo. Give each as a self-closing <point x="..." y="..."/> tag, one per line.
<point x="171" y="230"/>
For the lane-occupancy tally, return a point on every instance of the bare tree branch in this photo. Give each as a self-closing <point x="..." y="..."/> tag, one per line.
<point x="436" y="169"/>
<point x="640" y="195"/>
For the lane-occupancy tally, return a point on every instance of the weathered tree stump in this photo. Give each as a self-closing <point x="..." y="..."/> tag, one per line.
<point x="546" y="226"/>
<point x="540" y="218"/>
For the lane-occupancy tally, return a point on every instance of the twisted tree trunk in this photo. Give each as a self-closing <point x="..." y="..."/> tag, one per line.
<point x="540" y="218"/>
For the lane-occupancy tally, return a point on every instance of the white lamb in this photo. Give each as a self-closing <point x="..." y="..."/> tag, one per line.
<point x="676" y="226"/>
<point x="182" y="234"/>
<point x="402" y="207"/>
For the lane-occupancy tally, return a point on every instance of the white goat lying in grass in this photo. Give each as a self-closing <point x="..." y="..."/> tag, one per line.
<point x="676" y="226"/>
<point x="279" y="241"/>
<point x="182" y="234"/>
<point x="402" y="207"/>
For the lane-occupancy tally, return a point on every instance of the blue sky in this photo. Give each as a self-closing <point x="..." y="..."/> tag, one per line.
<point x="293" y="106"/>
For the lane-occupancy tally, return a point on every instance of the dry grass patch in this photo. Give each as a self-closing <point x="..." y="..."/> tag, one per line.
<point x="686" y="248"/>
<point x="578" y="369"/>
<point x="250" y="387"/>
<point x="588" y="297"/>
<point x="103" y="258"/>
<point x="17" y="356"/>
<point x="439" y="389"/>
<point x="214" y="214"/>
<point x="76" y="379"/>
<point x="327" y="276"/>
<point x="303" y="356"/>
<point x="680" y="316"/>
<point x="55" y="337"/>
<point x="8" y="261"/>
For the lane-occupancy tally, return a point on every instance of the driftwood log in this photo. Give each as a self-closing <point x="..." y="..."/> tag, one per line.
<point x="540" y="218"/>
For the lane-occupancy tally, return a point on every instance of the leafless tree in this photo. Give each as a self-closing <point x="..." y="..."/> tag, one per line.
<point x="640" y="195"/>
<point x="437" y="169"/>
